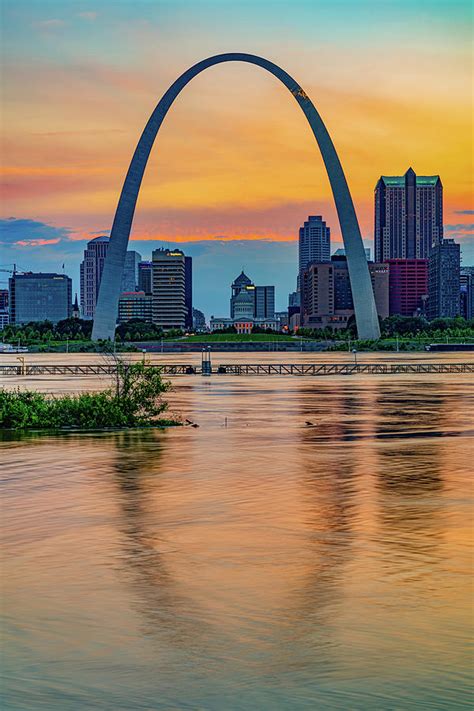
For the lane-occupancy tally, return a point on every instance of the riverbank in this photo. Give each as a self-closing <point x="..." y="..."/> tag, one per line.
<point x="195" y="344"/>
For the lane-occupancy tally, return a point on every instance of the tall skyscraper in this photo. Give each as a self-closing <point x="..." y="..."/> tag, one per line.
<point x="40" y="297"/>
<point x="188" y="291"/>
<point x="169" y="289"/>
<point x="314" y="242"/>
<point x="408" y="216"/>
<point x="145" y="271"/>
<point x="130" y="271"/>
<point x="91" y="273"/>
<point x="408" y="286"/>
<point x="444" y="280"/>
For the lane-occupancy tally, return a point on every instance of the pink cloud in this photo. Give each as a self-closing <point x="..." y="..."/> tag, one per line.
<point x="36" y="242"/>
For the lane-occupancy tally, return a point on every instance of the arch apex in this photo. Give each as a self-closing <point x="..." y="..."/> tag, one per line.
<point x="109" y="291"/>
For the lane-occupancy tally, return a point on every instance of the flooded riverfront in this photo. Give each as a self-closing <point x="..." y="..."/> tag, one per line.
<point x="306" y="547"/>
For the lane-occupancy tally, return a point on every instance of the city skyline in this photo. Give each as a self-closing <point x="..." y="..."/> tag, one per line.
<point x="250" y="180"/>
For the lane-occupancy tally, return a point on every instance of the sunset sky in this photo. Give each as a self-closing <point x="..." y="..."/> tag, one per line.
<point x="235" y="169"/>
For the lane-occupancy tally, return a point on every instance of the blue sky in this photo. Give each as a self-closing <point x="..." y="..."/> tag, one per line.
<point x="235" y="170"/>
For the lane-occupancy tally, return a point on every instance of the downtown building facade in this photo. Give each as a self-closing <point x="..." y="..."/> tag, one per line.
<point x="39" y="296"/>
<point x="467" y="292"/>
<point x="408" y="286"/>
<point x="169" y="310"/>
<point x="408" y="216"/>
<point x="4" y="311"/>
<point x="130" y="271"/>
<point x="327" y="294"/>
<point x="444" y="283"/>
<point x="134" y="305"/>
<point x="314" y="242"/>
<point x="91" y="270"/>
<point x="145" y="277"/>
<point x="199" y="320"/>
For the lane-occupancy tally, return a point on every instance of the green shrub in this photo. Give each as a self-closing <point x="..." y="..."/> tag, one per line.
<point x="134" y="401"/>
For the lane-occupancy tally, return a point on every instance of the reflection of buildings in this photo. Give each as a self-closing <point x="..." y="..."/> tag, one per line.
<point x="136" y="475"/>
<point x="328" y="460"/>
<point x="409" y="479"/>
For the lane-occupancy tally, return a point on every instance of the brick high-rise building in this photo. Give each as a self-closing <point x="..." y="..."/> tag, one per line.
<point x="327" y="295"/>
<point x="408" y="216"/>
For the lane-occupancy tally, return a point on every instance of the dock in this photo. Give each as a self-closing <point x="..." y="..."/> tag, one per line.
<point x="239" y="369"/>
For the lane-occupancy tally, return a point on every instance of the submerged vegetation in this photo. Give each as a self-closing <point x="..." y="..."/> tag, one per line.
<point x="134" y="400"/>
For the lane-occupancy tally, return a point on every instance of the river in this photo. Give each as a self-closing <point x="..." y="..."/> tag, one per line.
<point x="306" y="547"/>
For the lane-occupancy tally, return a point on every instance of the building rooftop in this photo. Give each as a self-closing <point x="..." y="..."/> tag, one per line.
<point x="242" y="280"/>
<point x="102" y="238"/>
<point x="399" y="180"/>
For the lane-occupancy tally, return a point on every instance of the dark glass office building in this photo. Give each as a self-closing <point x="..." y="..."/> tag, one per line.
<point x="444" y="283"/>
<point x="145" y="277"/>
<point x="40" y="297"/>
<point x="264" y="302"/>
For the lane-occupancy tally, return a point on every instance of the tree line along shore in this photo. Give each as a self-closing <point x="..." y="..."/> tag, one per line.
<point x="397" y="333"/>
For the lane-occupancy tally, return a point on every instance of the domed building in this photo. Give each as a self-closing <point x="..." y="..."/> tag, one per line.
<point x="241" y="285"/>
<point x="250" y="306"/>
<point x="243" y="305"/>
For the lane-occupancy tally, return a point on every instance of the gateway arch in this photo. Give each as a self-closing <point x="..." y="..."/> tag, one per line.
<point x="109" y="292"/>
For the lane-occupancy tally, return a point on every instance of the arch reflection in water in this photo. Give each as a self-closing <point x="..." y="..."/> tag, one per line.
<point x="167" y="612"/>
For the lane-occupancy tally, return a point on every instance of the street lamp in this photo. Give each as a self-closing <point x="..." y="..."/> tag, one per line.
<point x="354" y="350"/>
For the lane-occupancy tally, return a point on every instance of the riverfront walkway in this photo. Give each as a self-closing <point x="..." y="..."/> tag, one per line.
<point x="313" y="369"/>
